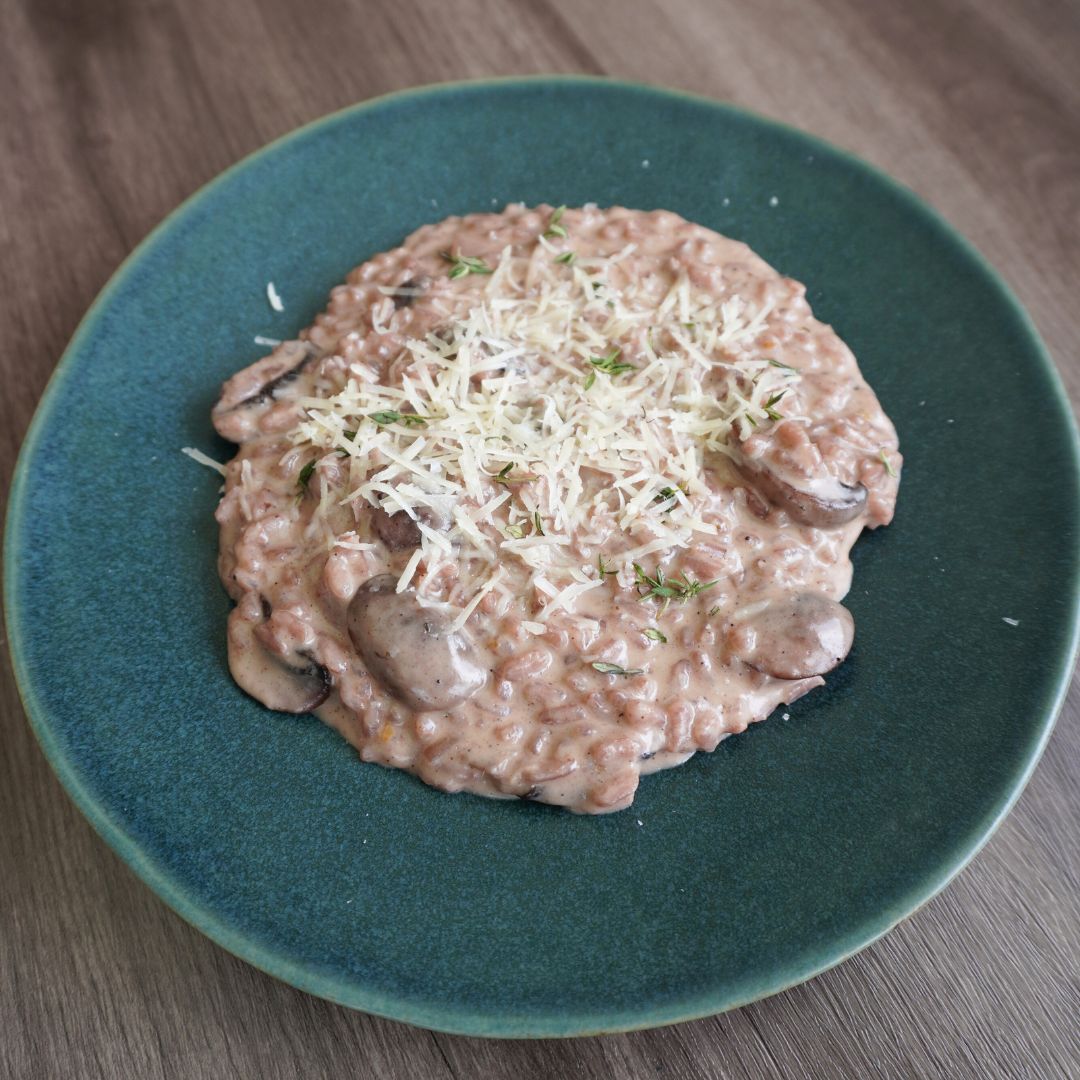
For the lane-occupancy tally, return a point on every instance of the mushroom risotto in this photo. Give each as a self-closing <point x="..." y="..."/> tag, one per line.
<point x="548" y="499"/>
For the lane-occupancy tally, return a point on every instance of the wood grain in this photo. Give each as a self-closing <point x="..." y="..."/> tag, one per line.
<point x="112" y="111"/>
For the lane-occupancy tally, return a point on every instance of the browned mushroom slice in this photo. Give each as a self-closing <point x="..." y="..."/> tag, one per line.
<point x="795" y="638"/>
<point x="260" y="382"/>
<point x="410" y="649"/>
<point x="822" y="502"/>
<point x="409" y="291"/>
<point x="397" y="531"/>
<point x="400" y="531"/>
<point x="295" y="685"/>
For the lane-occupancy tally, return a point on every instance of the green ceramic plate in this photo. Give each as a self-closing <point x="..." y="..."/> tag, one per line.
<point x="732" y="877"/>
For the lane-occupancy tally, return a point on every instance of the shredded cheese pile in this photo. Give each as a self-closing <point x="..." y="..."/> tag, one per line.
<point x="518" y="428"/>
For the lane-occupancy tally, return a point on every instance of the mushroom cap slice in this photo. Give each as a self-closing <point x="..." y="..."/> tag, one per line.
<point x="298" y="684"/>
<point x="410" y="648"/>
<point x="823" y="502"/>
<point x="400" y="530"/>
<point x="794" y="638"/>
<point x="409" y="290"/>
<point x="397" y="531"/>
<point x="258" y="384"/>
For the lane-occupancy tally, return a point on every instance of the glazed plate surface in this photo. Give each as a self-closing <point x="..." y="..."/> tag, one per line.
<point x="730" y="878"/>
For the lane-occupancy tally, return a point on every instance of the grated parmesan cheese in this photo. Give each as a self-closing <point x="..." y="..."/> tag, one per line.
<point x="202" y="459"/>
<point x="471" y="606"/>
<point x="410" y="570"/>
<point x="273" y="298"/>
<point x="533" y="451"/>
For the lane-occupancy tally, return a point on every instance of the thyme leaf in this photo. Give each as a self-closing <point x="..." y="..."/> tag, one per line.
<point x="614" y="669"/>
<point x="305" y="475"/>
<point x="658" y="587"/>
<point x="392" y="416"/>
<point x="770" y="411"/>
<point x="463" y="265"/>
<point x="554" y="228"/>
<point x="610" y="364"/>
<point x="351" y="436"/>
<point x="503" y="476"/>
<point x="666" y="494"/>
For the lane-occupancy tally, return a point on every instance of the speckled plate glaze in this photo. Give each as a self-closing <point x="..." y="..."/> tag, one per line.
<point x="739" y="874"/>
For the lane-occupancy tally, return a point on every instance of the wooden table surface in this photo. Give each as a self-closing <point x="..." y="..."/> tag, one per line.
<point x="113" y="111"/>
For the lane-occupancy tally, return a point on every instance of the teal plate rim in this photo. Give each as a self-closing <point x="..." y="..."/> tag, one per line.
<point x="441" y="1017"/>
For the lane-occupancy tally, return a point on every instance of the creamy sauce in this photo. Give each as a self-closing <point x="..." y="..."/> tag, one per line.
<point x="573" y="673"/>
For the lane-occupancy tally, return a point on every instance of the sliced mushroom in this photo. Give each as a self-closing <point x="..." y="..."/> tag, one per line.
<point x="295" y="685"/>
<point x="410" y="649"/>
<point x="408" y="291"/>
<point x="795" y="638"/>
<point x="236" y="415"/>
<point x="822" y="502"/>
<point x="261" y="381"/>
<point x="397" y="531"/>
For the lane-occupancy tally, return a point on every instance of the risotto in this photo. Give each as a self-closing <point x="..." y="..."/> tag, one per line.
<point x="549" y="499"/>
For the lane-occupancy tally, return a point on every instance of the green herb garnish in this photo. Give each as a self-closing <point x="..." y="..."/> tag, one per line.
<point x="666" y="493"/>
<point x="770" y="412"/>
<point x="305" y="475"/>
<point x="566" y="257"/>
<point x="589" y="380"/>
<point x="654" y="635"/>
<point x="614" y="669"/>
<point x="887" y="463"/>
<point x="503" y="476"/>
<point x="554" y="228"/>
<point x="350" y="435"/>
<point x="465" y="264"/>
<point x="603" y="567"/>
<point x="390" y="416"/>
<point x="714" y="610"/>
<point x="516" y="531"/>
<point x="667" y="589"/>
<point x="783" y="367"/>
<point x="538" y="525"/>
<point x="610" y="364"/>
